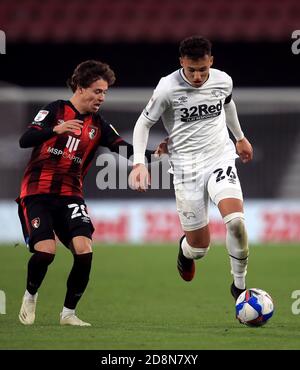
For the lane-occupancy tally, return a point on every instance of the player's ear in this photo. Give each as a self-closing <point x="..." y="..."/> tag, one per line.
<point x="181" y="61"/>
<point x="211" y="61"/>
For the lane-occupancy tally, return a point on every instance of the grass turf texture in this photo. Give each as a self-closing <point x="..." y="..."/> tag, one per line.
<point x="136" y="300"/>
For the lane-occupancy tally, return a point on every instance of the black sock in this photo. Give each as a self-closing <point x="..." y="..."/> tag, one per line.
<point x="37" y="268"/>
<point x="78" y="279"/>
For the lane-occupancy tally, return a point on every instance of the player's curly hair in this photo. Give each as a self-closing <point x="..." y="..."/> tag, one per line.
<point x="90" y="71"/>
<point x="195" y="47"/>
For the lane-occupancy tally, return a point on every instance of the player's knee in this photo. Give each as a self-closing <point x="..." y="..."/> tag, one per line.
<point x="45" y="246"/>
<point x="236" y="230"/>
<point x="194" y="252"/>
<point x="198" y="253"/>
<point x="236" y="227"/>
<point x="81" y="245"/>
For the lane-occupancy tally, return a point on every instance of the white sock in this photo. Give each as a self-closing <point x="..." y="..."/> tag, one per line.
<point x="67" y="312"/>
<point x="29" y="296"/>
<point x="237" y="246"/>
<point x="191" y="252"/>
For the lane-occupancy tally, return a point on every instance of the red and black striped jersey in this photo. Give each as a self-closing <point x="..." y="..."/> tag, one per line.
<point x="59" y="163"/>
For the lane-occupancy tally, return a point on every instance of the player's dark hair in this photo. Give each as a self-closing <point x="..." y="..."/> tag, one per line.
<point x="90" y="71"/>
<point x="195" y="47"/>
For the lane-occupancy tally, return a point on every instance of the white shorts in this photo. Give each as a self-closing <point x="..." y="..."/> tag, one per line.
<point x="192" y="195"/>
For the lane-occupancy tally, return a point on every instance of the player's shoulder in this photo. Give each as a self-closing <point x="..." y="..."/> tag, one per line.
<point x="219" y="76"/>
<point x="106" y="127"/>
<point x="47" y="112"/>
<point x="54" y="105"/>
<point x="169" y="82"/>
<point x="173" y="78"/>
<point x="98" y="117"/>
<point x="99" y="120"/>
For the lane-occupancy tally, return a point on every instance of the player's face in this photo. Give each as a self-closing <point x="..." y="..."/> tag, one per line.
<point x="196" y="71"/>
<point x="93" y="96"/>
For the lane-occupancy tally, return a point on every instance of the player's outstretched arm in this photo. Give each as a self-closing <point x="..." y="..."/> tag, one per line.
<point x="33" y="137"/>
<point x="140" y="138"/>
<point x="37" y="135"/>
<point x="232" y="120"/>
<point x="139" y="178"/>
<point x="243" y="147"/>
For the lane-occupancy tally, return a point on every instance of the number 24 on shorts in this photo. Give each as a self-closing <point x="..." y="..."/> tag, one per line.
<point x="229" y="173"/>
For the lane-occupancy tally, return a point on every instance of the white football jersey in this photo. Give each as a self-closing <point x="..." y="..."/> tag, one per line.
<point x="194" y="117"/>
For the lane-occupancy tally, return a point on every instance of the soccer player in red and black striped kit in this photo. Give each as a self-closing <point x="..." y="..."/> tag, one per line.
<point x="65" y="136"/>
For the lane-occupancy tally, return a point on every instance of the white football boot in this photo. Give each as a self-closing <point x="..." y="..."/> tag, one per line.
<point x="27" y="311"/>
<point x="72" y="320"/>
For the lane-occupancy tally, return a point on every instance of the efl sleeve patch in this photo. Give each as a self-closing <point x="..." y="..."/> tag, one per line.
<point x="42" y="114"/>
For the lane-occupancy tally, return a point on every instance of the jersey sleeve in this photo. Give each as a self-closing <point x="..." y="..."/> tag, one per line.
<point x="228" y="99"/>
<point x="45" y="117"/>
<point x="109" y="135"/>
<point x="41" y="128"/>
<point x="228" y="89"/>
<point x="158" y="103"/>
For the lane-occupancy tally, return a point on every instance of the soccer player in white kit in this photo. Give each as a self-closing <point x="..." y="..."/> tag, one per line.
<point x="196" y="107"/>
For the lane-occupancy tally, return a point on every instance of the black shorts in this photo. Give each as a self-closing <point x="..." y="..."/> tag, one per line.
<point x="44" y="215"/>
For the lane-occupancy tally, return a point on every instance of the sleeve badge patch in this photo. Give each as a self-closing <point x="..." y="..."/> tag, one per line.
<point x="41" y="115"/>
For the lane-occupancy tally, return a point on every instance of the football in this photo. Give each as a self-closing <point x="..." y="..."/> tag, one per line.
<point x="254" y="307"/>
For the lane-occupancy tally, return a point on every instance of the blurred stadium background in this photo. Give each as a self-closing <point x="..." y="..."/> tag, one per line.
<point x="139" y="39"/>
<point x="135" y="299"/>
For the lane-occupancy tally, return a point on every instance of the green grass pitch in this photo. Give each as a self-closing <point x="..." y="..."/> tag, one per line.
<point x="136" y="300"/>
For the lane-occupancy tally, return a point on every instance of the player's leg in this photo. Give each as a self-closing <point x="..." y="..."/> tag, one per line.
<point x="44" y="252"/>
<point x="39" y="236"/>
<point x="192" y="209"/>
<point x="192" y="246"/>
<point x="77" y="235"/>
<point x="43" y="256"/>
<point x="236" y="242"/>
<point x="77" y="280"/>
<point x="225" y="191"/>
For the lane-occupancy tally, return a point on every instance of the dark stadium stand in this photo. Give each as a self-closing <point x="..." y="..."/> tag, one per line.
<point x="274" y="137"/>
<point x="148" y="20"/>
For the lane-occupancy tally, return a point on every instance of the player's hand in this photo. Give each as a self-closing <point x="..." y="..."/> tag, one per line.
<point x="245" y="150"/>
<point x="73" y="125"/>
<point x="139" y="178"/>
<point x="162" y="148"/>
